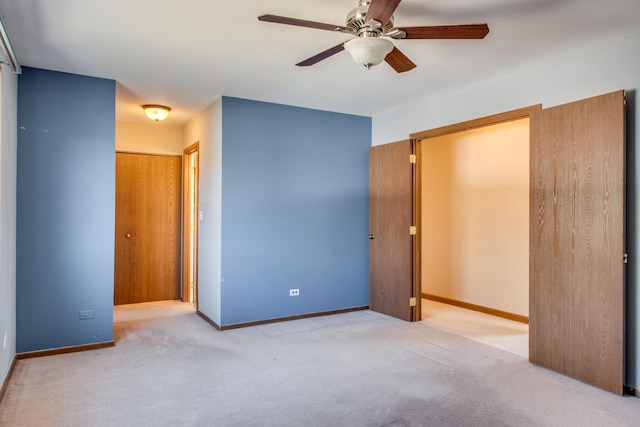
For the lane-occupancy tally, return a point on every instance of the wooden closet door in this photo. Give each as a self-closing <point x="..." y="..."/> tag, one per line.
<point x="576" y="283"/>
<point x="390" y="216"/>
<point x="147" y="242"/>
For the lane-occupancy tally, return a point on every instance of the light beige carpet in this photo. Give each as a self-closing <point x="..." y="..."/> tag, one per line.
<point x="170" y="368"/>
<point x="491" y="330"/>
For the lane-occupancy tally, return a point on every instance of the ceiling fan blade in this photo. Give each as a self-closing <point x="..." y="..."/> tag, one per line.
<point x="471" y="31"/>
<point x="302" y="23"/>
<point x="381" y="10"/>
<point x="399" y="61"/>
<point x="322" y="55"/>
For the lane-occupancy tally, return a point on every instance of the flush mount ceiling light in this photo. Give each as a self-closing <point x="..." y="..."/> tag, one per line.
<point x="369" y="51"/>
<point x="156" y="112"/>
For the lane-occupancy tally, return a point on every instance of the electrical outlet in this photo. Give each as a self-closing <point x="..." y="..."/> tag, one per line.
<point x="87" y="314"/>
<point x="294" y="292"/>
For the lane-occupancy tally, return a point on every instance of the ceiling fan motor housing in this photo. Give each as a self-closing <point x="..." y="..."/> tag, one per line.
<point x="356" y="19"/>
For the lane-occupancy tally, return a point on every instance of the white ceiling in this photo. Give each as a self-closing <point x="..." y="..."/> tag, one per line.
<point x="187" y="53"/>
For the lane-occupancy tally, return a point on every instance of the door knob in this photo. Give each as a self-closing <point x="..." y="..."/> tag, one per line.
<point x="128" y="235"/>
<point x="371" y="236"/>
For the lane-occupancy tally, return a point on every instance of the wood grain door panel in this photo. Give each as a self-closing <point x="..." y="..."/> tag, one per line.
<point x="390" y="216"/>
<point x="576" y="242"/>
<point x="147" y="259"/>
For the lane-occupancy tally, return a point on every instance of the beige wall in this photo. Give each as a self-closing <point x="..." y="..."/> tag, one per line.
<point x="206" y="129"/>
<point x="151" y="138"/>
<point x="475" y="216"/>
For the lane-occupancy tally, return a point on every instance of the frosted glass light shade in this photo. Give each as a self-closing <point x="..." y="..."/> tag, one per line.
<point x="368" y="51"/>
<point x="156" y="112"/>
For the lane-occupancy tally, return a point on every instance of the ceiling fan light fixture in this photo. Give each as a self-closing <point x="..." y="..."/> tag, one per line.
<point x="368" y="51"/>
<point x="156" y="112"/>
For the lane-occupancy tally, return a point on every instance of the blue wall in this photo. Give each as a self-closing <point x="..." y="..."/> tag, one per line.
<point x="295" y="210"/>
<point x="65" y="209"/>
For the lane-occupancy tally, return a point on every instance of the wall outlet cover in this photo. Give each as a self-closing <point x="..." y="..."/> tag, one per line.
<point x="87" y="314"/>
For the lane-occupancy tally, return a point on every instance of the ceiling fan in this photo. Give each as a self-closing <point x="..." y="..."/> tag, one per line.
<point x="372" y="22"/>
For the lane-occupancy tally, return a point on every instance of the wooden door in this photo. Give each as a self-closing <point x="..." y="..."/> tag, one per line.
<point x="147" y="242"/>
<point x="390" y="216"/>
<point x="576" y="269"/>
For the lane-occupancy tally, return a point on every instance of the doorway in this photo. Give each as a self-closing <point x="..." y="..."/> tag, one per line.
<point x="190" y="217"/>
<point x="475" y="218"/>
<point x="420" y="140"/>
<point x="398" y="245"/>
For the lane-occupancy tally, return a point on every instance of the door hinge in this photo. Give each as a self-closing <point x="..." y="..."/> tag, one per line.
<point x="625" y="258"/>
<point x="412" y="158"/>
<point x="413" y="230"/>
<point x="413" y="302"/>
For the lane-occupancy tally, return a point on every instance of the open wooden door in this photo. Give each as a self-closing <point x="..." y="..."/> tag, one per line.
<point x="390" y="219"/>
<point x="576" y="271"/>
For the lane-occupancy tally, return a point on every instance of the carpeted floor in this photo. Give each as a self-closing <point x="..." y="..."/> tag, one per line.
<point x="170" y="368"/>
<point x="495" y="331"/>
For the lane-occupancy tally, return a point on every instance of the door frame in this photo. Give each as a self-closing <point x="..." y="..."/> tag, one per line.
<point x="416" y="139"/>
<point x="187" y="201"/>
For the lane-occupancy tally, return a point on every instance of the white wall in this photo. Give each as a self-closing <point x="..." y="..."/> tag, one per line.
<point x="8" y="153"/>
<point x="578" y="75"/>
<point x="206" y="128"/>
<point x="151" y="138"/>
<point x="475" y="216"/>
<point x="582" y="74"/>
